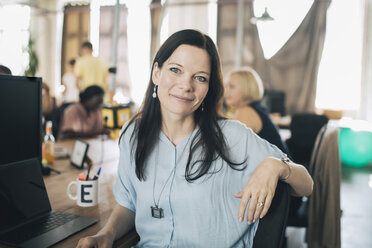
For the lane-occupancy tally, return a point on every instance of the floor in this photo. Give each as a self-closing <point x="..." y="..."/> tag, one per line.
<point x="356" y="204"/>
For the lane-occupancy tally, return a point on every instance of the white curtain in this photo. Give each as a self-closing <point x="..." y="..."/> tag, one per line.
<point x="293" y="69"/>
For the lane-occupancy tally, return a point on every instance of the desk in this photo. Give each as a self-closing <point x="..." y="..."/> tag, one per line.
<point x="56" y="185"/>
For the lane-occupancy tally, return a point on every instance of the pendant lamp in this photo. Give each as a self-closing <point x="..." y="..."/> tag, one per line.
<point x="264" y="17"/>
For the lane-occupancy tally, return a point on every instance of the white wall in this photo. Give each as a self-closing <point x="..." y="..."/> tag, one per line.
<point x="43" y="30"/>
<point x="366" y="98"/>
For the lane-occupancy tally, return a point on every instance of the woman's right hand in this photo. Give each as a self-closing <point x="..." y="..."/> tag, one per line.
<point x="96" y="241"/>
<point x="120" y="222"/>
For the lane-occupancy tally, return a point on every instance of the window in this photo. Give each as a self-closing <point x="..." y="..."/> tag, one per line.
<point x="287" y="14"/>
<point x="339" y="78"/>
<point x="14" y="35"/>
<point x="200" y="15"/>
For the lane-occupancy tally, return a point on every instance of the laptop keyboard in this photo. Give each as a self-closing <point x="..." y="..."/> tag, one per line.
<point x="37" y="227"/>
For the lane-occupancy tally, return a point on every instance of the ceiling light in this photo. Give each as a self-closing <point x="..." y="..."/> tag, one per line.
<point x="264" y="17"/>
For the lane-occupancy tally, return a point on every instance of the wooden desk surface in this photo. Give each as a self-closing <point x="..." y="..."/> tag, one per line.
<point x="56" y="185"/>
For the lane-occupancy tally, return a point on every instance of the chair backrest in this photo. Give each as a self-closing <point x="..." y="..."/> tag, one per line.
<point x="57" y="117"/>
<point x="304" y="130"/>
<point x="271" y="229"/>
<point x="299" y="209"/>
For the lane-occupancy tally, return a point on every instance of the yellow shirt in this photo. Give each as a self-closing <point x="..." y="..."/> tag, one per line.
<point x="92" y="71"/>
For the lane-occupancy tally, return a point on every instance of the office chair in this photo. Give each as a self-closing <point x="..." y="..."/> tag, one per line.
<point x="271" y="229"/>
<point x="304" y="129"/>
<point x="57" y="117"/>
<point x="299" y="206"/>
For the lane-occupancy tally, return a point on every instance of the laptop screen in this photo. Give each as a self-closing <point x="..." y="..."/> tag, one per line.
<point x="22" y="193"/>
<point x="20" y="114"/>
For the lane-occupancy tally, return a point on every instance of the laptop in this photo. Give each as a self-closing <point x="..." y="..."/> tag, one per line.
<point x="26" y="217"/>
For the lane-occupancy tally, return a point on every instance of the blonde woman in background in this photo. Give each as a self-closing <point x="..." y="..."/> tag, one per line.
<point x="243" y="94"/>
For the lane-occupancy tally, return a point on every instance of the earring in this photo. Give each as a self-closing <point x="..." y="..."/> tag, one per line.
<point x="202" y="107"/>
<point x="154" y="94"/>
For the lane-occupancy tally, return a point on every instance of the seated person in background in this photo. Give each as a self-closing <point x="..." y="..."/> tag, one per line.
<point x="84" y="119"/>
<point x="5" y="70"/>
<point x="71" y="92"/>
<point x="244" y="91"/>
<point x="48" y="102"/>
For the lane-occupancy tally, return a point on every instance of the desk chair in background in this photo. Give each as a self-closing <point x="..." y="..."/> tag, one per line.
<point x="57" y="118"/>
<point x="304" y="129"/>
<point x="321" y="213"/>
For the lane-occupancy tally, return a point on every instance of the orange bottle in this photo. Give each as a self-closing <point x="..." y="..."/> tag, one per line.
<point x="48" y="144"/>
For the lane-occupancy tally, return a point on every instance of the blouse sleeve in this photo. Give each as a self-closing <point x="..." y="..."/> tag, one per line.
<point x="245" y="145"/>
<point x="124" y="190"/>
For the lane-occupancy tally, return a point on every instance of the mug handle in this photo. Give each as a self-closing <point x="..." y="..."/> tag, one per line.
<point x="72" y="197"/>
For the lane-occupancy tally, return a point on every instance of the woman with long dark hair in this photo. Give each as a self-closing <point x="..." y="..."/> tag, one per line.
<point x="185" y="174"/>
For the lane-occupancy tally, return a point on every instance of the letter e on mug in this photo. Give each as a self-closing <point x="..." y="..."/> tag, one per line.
<point x="86" y="192"/>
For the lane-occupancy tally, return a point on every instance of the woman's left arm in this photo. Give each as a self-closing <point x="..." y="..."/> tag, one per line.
<point x="296" y="176"/>
<point x="260" y="189"/>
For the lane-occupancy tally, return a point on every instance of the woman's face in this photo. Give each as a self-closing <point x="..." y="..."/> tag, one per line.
<point x="183" y="81"/>
<point x="233" y="91"/>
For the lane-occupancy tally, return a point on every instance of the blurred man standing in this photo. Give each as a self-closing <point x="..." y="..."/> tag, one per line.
<point x="90" y="70"/>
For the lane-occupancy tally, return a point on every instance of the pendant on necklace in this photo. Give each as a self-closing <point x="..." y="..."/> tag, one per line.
<point x="157" y="212"/>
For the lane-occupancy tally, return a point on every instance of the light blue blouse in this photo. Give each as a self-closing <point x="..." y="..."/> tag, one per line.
<point x="199" y="214"/>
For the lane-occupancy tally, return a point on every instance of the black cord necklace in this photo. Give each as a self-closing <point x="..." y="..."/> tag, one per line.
<point x="156" y="211"/>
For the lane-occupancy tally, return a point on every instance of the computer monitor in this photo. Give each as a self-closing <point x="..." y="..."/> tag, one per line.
<point x="274" y="101"/>
<point x="21" y="118"/>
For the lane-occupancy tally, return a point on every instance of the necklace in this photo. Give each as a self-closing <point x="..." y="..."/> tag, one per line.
<point x="156" y="211"/>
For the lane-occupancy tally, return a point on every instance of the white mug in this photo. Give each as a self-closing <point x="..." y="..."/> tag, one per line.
<point x="86" y="192"/>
